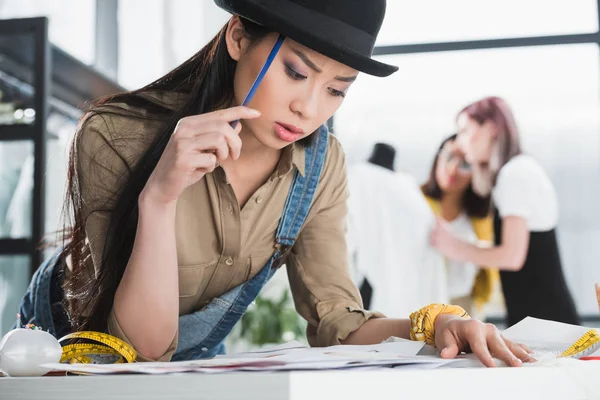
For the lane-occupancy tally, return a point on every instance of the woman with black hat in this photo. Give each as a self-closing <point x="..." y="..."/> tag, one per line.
<point x="180" y="215"/>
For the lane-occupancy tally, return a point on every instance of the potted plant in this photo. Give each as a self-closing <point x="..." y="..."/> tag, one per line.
<point x="272" y="321"/>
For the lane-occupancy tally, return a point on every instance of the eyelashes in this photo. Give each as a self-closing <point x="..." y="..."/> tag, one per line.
<point x="292" y="73"/>
<point x="297" y="76"/>
<point x="337" y="93"/>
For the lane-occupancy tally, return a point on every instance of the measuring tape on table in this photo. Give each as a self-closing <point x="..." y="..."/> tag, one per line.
<point x="96" y="345"/>
<point x="588" y="344"/>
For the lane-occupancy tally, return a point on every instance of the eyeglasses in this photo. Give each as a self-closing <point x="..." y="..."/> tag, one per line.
<point x="464" y="167"/>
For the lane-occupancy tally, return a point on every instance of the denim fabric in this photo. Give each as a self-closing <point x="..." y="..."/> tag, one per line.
<point x="42" y="303"/>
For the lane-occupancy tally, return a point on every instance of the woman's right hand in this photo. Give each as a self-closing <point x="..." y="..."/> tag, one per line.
<point x="197" y="145"/>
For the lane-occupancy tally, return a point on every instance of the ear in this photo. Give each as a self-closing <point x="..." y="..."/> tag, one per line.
<point x="235" y="38"/>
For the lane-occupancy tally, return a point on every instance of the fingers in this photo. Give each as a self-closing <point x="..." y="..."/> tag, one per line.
<point x="527" y="349"/>
<point x="479" y="347"/>
<point x="434" y="236"/>
<point x="193" y="161"/>
<point x="500" y="349"/>
<point x="226" y="115"/>
<point x="210" y="134"/>
<point x="449" y="351"/>
<point x="447" y="343"/>
<point x="520" y="351"/>
<point x="484" y="340"/>
<point x="224" y="145"/>
<point x="206" y="162"/>
<point x="211" y="143"/>
<point x="234" y="143"/>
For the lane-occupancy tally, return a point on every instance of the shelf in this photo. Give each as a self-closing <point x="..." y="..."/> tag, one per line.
<point x="73" y="82"/>
<point x="16" y="132"/>
<point x="15" y="247"/>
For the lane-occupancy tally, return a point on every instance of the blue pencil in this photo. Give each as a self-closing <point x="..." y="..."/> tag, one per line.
<point x="261" y="75"/>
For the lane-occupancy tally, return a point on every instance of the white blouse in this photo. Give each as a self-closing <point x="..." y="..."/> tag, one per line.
<point x="523" y="189"/>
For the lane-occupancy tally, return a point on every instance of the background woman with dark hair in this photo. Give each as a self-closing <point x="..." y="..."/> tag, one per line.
<point x="451" y="197"/>
<point x="526" y="216"/>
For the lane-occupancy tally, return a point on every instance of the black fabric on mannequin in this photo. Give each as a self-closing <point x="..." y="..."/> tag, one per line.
<point x="383" y="155"/>
<point x="366" y="292"/>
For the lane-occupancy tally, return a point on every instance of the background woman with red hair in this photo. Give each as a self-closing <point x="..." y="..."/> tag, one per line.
<point x="526" y="215"/>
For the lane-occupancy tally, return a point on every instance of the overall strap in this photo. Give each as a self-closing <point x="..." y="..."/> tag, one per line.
<point x="300" y="198"/>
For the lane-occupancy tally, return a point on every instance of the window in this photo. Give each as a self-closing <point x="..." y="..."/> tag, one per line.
<point x="168" y="34"/>
<point x="445" y="21"/>
<point x="72" y="23"/>
<point x="14" y="279"/>
<point x="16" y="181"/>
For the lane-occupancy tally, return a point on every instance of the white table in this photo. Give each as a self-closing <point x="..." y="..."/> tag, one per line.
<point x="564" y="383"/>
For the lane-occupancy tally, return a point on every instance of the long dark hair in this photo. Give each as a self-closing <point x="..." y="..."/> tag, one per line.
<point x="473" y="204"/>
<point x="207" y="81"/>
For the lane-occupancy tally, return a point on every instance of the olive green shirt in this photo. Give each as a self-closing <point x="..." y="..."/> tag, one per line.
<point x="219" y="245"/>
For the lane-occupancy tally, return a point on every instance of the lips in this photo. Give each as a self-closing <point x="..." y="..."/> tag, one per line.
<point x="292" y="128"/>
<point x="288" y="133"/>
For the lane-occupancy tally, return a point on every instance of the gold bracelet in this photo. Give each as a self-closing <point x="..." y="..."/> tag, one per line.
<point x="422" y="322"/>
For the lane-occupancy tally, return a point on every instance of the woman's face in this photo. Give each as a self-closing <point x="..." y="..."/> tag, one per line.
<point x="475" y="140"/>
<point x="452" y="172"/>
<point x="299" y="93"/>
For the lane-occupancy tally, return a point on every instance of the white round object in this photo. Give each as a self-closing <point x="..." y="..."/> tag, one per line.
<point x="23" y="351"/>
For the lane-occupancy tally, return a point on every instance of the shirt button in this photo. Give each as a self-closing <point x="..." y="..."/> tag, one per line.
<point x="204" y="349"/>
<point x="259" y="199"/>
<point x="230" y="208"/>
<point x="229" y="261"/>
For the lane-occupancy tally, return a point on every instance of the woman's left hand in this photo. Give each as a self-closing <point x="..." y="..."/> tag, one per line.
<point x="446" y="242"/>
<point x="455" y="334"/>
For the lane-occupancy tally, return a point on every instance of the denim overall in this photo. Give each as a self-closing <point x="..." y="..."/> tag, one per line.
<point x="202" y="333"/>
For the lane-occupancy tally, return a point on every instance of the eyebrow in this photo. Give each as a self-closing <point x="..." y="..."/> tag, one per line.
<point x="314" y="67"/>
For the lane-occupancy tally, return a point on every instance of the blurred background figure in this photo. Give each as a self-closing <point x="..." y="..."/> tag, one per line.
<point x="383" y="155"/>
<point x="526" y="216"/>
<point x="389" y="223"/>
<point x="450" y="194"/>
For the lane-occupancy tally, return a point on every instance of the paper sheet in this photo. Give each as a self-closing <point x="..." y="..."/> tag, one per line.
<point x="545" y="338"/>
<point x="548" y="340"/>
<point x="291" y="356"/>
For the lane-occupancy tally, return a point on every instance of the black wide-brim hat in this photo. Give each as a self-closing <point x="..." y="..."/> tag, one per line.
<point x="343" y="30"/>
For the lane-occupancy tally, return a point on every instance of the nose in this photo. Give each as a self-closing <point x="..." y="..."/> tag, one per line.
<point x="306" y="106"/>
<point x="452" y="168"/>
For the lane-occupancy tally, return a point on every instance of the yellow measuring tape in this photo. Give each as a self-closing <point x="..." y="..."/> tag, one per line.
<point x="588" y="344"/>
<point x="97" y="344"/>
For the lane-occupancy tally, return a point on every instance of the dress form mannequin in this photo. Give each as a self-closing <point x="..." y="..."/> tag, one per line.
<point x="382" y="155"/>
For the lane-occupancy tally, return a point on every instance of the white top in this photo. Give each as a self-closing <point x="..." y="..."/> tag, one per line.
<point x="389" y="224"/>
<point x="523" y="189"/>
<point x="461" y="275"/>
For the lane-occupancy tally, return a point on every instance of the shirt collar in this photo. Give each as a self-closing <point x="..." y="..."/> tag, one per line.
<point x="292" y="156"/>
